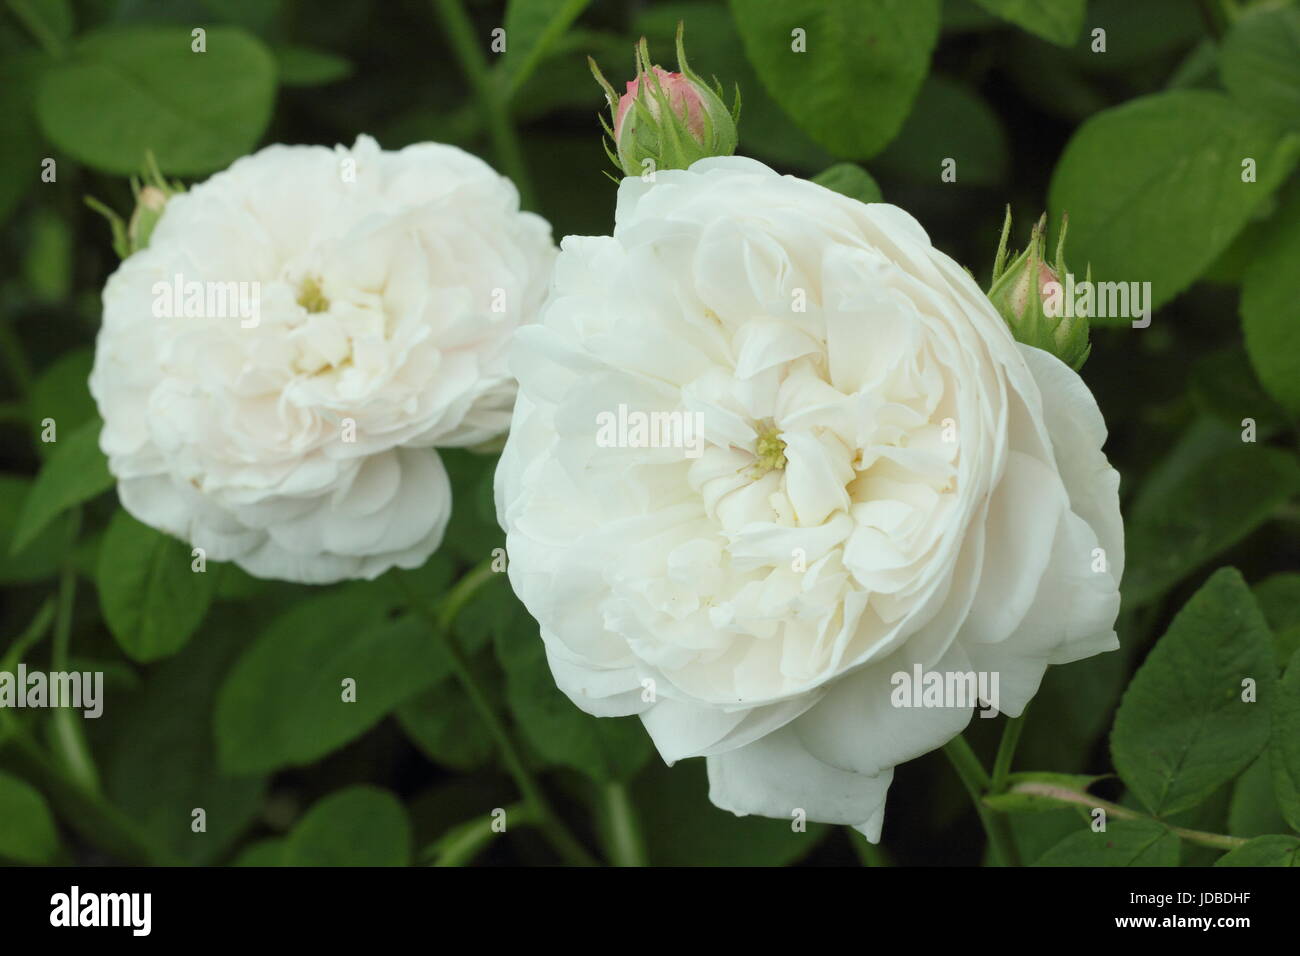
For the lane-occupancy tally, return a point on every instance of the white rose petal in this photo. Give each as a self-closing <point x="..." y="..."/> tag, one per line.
<point x="886" y="481"/>
<point x="298" y="442"/>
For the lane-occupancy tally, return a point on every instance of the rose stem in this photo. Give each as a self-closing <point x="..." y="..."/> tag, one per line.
<point x="977" y="782"/>
<point x="491" y="94"/>
<point x="69" y="738"/>
<point x="1006" y="751"/>
<point x="440" y="620"/>
<point x="1067" y="797"/>
<point x="624" y="843"/>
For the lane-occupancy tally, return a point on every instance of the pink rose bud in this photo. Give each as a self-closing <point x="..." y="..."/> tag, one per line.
<point x="683" y="99"/>
<point x="1028" y="294"/>
<point x="667" y="120"/>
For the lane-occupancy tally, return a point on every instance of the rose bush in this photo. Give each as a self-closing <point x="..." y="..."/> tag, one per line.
<point x="297" y="442"/>
<point x="887" y="480"/>
<point x="875" y="486"/>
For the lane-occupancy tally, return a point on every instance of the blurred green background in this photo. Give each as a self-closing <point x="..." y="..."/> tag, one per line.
<point x="218" y="696"/>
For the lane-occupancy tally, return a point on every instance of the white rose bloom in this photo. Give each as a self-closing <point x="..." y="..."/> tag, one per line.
<point x="292" y="430"/>
<point x="886" y="480"/>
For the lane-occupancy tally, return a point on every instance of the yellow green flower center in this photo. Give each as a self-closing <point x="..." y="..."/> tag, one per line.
<point x="769" y="451"/>
<point x="310" y="296"/>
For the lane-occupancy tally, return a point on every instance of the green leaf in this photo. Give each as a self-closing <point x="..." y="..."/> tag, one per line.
<point x="75" y="472"/>
<point x="1230" y="267"/>
<point x="1036" y="833"/>
<point x="282" y="704"/>
<point x="948" y="122"/>
<point x="1253" y="809"/>
<point x="1123" y="843"/>
<point x="1154" y="187"/>
<point x="532" y="27"/>
<point x="1270" y="308"/>
<point x="1204" y="510"/>
<point x="1210" y="816"/>
<point x="268" y="852"/>
<point x="603" y="748"/>
<point x="1284" y="745"/>
<point x="151" y="598"/>
<point x="1057" y="21"/>
<point x="863" y="65"/>
<point x="1279" y="599"/>
<point x="681" y="827"/>
<point x="1275" y="850"/>
<point x="1182" y="729"/>
<point x="27" y="831"/>
<point x="62" y="393"/>
<point x="358" y="826"/>
<point x="162" y="762"/>
<point x="41" y="558"/>
<point x="1260" y="62"/>
<point x="444" y="724"/>
<point x="125" y="91"/>
<point x="850" y="179"/>
<point x="303" y="66"/>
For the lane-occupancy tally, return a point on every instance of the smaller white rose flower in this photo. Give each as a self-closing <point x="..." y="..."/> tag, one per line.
<point x="275" y="369"/>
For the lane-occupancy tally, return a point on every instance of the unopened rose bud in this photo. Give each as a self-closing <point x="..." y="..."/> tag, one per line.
<point x="1029" y="295"/>
<point x="667" y="120"/>
<point x="683" y="99"/>
<point x="151" y="197"/>
<point x="149" y="203"/>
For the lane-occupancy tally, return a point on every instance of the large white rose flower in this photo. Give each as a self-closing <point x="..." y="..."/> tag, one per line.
<point x="368" y="300"/>
<point x="886" y="479"/>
